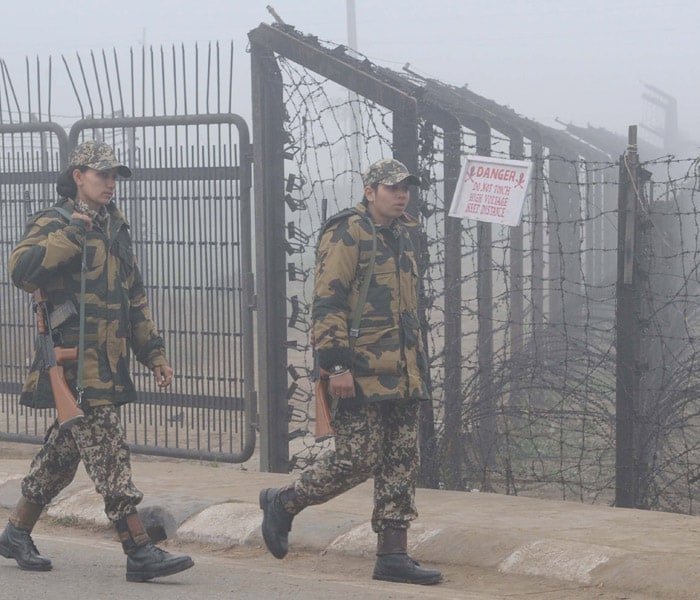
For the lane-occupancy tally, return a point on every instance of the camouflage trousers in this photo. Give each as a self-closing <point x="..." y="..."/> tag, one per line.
<point x="100" y="442"/>
<point x="379" y="440"/>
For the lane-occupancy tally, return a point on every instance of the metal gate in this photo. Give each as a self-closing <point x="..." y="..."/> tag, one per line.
<point x="188" y="204"/>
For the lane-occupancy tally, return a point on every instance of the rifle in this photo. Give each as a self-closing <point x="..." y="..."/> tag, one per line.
<point x="54" y="356"/>
<point x="322" y="403"/>
<point x="324" y="429"/>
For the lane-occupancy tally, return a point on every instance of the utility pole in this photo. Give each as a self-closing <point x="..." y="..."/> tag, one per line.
<point x="354" y="161"/>
<point x="352" y="24"/>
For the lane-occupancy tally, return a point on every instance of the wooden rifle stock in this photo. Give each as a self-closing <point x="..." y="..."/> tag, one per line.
<point x="324" y="429"/>
<point x="67" y="409"/>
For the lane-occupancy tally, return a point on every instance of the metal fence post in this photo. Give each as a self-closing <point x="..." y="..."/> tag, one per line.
<point x="268" y="128"/>
<point x="627" y="333"/>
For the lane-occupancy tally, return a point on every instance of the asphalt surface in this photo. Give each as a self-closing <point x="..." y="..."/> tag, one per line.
<point x="628" y="550"/>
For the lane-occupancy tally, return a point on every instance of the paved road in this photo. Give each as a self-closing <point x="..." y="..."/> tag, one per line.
<point x="566" y="548"/>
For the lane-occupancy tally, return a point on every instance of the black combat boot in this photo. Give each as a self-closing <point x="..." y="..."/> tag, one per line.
<point x="16" y="541"/>
<point x="277" y="521"/>
<point x="145" y="561"/>
<point x="394" y="563"/>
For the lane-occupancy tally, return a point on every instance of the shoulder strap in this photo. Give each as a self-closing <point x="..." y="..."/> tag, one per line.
<point x="336" y="217"/>
<point x="80" y="389"/>
<point x="55" y="209"/>
<point x="61" y="211"/>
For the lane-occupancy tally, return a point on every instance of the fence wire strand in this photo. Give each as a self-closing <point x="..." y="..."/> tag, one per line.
<point x="544" y="423"/>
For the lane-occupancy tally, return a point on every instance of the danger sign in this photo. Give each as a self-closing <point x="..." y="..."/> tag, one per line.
<point x="492" y="190"/>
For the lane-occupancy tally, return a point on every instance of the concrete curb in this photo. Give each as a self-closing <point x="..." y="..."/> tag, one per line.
<point x="655" y="554"/>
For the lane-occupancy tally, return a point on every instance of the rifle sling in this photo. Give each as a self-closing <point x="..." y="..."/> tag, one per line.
<point x="81" y="333"/>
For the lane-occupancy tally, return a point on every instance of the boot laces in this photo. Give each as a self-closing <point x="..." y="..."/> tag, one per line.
<point x="158" y="550"/>
<point x="28" y="536"/>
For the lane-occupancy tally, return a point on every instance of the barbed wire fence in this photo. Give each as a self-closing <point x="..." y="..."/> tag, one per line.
<point x="329" y="136"/>
<point x="565" y="376"/>
<point x="669" y="290"/>
<point x="522" y="324"/>
<point x="540" y="418"/>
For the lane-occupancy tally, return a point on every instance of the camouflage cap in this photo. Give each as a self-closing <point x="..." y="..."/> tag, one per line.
<point x="389" y="172"/>
<point x="97" y="155"/>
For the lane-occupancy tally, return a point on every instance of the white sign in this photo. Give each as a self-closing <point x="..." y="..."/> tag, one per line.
<point x="491" y="189"/>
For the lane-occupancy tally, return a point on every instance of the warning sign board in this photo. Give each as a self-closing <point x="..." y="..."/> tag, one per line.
<point x="491" y="189"/>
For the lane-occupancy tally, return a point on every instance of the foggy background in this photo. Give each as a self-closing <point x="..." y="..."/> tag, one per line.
<point x="536" y="307"/>
<point x="579" y="62"/>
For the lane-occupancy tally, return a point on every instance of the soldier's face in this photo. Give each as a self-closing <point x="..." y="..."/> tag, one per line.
<point x="388" y="202"/>
<point x="95" y="188"/>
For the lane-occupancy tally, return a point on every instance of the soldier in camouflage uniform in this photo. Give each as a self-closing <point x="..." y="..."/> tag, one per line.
<point x="117" y="321"/>
<point x="378" y="381"/>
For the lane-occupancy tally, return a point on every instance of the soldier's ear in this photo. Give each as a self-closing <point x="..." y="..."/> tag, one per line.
<point x="369" y="193"/>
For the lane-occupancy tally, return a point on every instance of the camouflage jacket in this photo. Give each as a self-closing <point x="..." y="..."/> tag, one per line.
<point x="388" y="361"/>
<point x="117" y="315"/>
